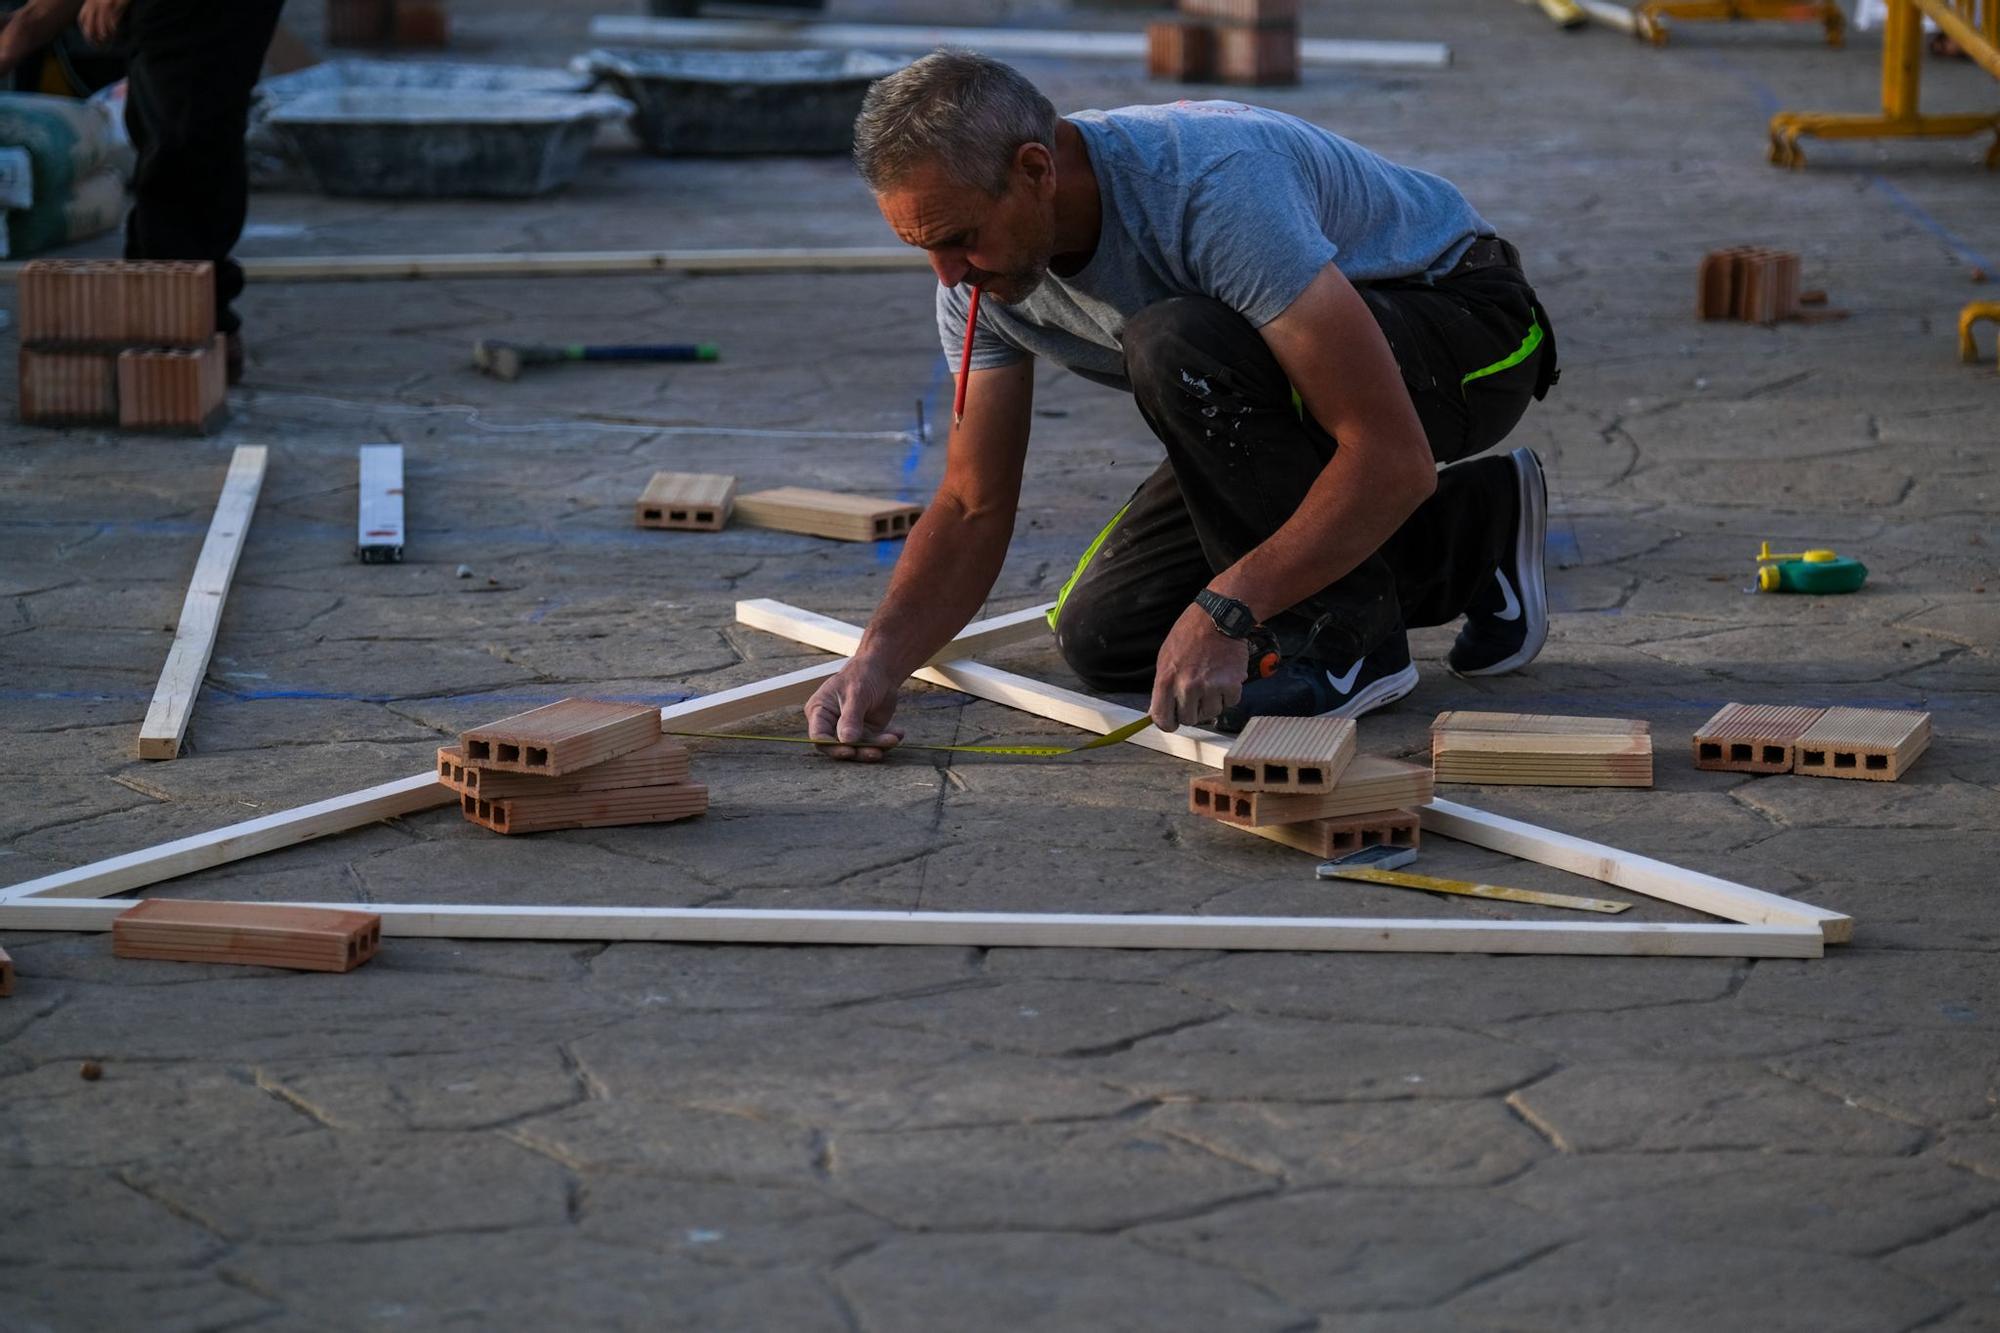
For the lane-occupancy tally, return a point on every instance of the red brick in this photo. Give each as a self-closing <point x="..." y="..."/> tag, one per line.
<point x="170" y="389"/>
<point x="419" y="23"/>
<point x="1180" y="50"/>
<point x="111" y="303"/>
<point x="68" y="388"/>
<point x="357" y="22"/>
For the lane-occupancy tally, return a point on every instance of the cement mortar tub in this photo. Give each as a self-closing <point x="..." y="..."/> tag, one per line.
<point x="740" y="102"/>
<point x="406" y="142"/>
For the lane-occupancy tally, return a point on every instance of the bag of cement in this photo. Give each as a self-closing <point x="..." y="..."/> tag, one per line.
<point x="78" y="162"/>
<point x="17" y="179"/>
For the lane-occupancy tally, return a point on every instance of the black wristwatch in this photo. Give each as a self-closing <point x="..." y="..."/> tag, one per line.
<point x="1231" y="617"/>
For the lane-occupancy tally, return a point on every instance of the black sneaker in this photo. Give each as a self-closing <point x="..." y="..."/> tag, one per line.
<point x="1307" y="687"/>
<point x="1508" y="621"/>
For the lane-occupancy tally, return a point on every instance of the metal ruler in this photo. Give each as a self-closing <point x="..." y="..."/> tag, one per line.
<point x="1402" y="880"/>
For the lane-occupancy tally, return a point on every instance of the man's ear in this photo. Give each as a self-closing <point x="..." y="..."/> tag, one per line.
<point x="1035" y="164"/>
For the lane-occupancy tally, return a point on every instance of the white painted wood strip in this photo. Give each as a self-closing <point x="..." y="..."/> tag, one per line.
<point x="379" y="530"/>
<point x="574" y="263"/>
<point x="421" y="791"/>
<point x="990" y="41"/>
<point x="201" y="614"/>
<point x="721" y="925"/>
<point x="184" y="856"/>
<point x="1628" y="870"/>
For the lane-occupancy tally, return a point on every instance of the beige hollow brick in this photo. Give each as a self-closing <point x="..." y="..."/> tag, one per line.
<point x="171" y="389"/>
<point x="68" y="388"/>
<point x="1290" y="754"/>
<point x="1752" y="738"/>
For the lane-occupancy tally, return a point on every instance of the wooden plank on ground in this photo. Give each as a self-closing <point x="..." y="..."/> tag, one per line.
<point x="722" y="925"/>
<point x="378" y="536"/>
<point x="201" y="614"/>
<point x="991" y="41"/>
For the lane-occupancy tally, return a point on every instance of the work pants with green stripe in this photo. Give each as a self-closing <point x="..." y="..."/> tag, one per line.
<point x="1241" y="455"/>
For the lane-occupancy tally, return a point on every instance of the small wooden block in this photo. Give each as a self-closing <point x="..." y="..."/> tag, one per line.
<point x="1291" y="754"/>
<point x="561" y="737"/>
<point x="65" y="388"/>
<point x="6" y="975"/>
<point x="1254" y="13"/>
<point x="1181" y="50"/>
<point x="110" y="304"/>
<point x="310" y="939"/>
<point x="1752" y="738"/>
<point x="1713" y="285"/>
<point x="1257" y="57"/>
<point x="663" y="762"/>
<point x="173" y="389"/>
<point x="590" y="809"/>
<point x="1326" y="838"/>
<point x="1372" y="783"/>
<point x="686" y="501"/>
<point x="1538" y="750"/>
<point x="851" y="518"/>
<point x="1874" y="744"/>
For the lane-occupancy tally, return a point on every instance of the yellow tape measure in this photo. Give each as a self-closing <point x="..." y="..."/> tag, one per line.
<point x="1401" y="880"/>
<point x="1126" y="732"/>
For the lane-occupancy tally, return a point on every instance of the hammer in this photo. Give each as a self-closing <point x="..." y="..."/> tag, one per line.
<point x="504" y="360"/>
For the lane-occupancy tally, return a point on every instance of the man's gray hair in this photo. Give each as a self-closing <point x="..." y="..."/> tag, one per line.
<point x="964" y="111"/>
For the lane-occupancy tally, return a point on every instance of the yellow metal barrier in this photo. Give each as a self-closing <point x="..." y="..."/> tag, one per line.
<point x="1973" y="24"/>
<point x="1968" y="350"/>
<point x="1651" y="15"/>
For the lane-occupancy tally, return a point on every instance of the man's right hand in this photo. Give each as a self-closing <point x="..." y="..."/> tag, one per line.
<point x="852" y="710"/>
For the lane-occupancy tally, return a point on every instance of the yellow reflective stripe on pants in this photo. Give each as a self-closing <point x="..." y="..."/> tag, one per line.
<point x="1512" y="359"/>
<point x="1089" y="554"/>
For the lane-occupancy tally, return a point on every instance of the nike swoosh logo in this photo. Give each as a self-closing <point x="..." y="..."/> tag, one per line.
<point x="1511" y="611"/>
<point x="1345" y="684"/>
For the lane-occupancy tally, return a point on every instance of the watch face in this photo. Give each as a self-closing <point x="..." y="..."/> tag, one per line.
<point x="1230" y="616"/>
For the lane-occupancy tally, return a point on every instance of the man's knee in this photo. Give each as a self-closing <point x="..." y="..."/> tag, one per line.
<point x="1100" y="645"/>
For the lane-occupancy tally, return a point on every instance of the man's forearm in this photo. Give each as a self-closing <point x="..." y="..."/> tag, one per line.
<point x="950" y="561"/>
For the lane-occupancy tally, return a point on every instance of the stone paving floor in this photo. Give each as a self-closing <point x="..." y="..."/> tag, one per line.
<point x="647" y="1136"/>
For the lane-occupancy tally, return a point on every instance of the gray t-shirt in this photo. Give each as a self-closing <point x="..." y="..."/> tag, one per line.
<point x="1216" y="199"/>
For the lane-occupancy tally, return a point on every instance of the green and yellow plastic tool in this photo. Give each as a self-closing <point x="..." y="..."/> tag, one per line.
<point x="1815" y="571"/>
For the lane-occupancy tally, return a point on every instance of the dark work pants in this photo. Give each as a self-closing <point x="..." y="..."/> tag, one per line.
<point x="1241" y="456"/>
<point x="187" y="103"/>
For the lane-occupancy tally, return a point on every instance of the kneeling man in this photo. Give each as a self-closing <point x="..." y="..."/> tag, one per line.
<point x="1309" y="329"/>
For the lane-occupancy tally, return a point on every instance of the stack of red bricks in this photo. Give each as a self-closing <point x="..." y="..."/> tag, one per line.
<point x="1253" y="42"/>
<point x="580" y="763"/>
<point x="1298" y="780"/>
<point x="1749" y="283"/>
<point x="112" y="342"/>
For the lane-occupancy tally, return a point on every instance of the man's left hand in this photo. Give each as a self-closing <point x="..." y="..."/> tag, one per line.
<point x="101" y="19"/>
<point x="1200" y="673"/>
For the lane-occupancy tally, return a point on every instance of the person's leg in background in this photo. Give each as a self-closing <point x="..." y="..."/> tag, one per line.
<point x="193" y="65"/>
